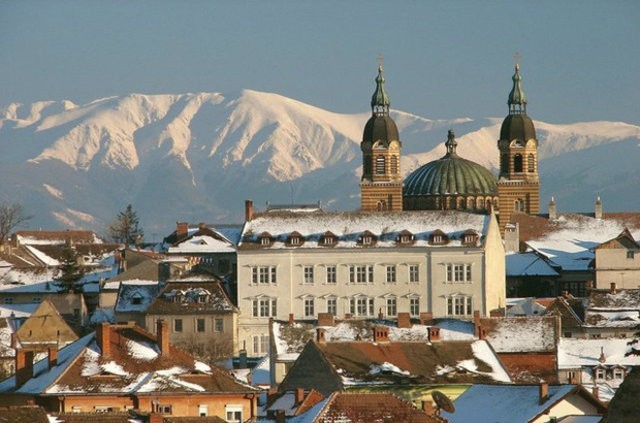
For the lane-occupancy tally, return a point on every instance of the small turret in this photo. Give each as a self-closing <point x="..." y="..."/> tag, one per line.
<point x="517" y="98"/>
<point x="553" y="214"/>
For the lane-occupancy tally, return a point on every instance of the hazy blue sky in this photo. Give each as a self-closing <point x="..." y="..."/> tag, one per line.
<point x="580" y="59"/>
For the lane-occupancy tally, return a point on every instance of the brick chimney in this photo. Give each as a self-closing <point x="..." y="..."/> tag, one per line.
<point x="321" y="334"/>
<point x="543" y="390"/>
<point x="299" y="395"/>
<point x="381" y="334"/>
<point x="52" y="357"/>
<point x="103" y="338"/>
<point x="291" y="318"/>
<point x="182" y="229"/>
<point x="598" y="209"/>
<point x="156" y="418"/>
<point x="477" y="325"/>
<point x="595" y="391"/>
<point x="24" y="366"/>
<point x="426" y="318"/>
<point x="613" y="289"/>
<point x="248" y="210"/>
<point x="553" y="213"/>
<point x="326" y="319"/>
<point x="404" y="320"/>
<point x="434" y="334"/>
<point x="162" y="336"/>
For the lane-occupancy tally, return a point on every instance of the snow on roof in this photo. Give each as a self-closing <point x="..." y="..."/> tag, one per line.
<point x="136" y="295"/>
<point x="528" y="264"/>
<point x="25" y="277"/>
<point x="525" y="307"/>
<point x="17" y="310"/>
<point x="348" y="226"/>
<point x="48" y="261"/>
<point x="521" y="334"/>
<point x="483" y="352"/>
<point x="503" y="403"/>
<point x="286" y="402"/>
<point x="203" y="244"/>
<point x="574" y="353"/>
<point x="312" y="413"/>
<point x="619" y="309"/>
<point x="571" y="244"/>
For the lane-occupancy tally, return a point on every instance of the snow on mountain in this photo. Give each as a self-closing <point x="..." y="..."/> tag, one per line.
<point x="198" y="156"/>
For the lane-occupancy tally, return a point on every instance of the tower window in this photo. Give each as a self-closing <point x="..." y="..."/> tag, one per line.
<point x="504" y="163"/>
<point x="380" y="165"/>
<point x="519" y="205"/>
<point x="517" y="163"/>
<point x="394" y="165"/>
<point x="531" y="163"/>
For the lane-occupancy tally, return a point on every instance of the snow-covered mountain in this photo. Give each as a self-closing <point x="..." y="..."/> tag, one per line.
<point x="197" y="157"/>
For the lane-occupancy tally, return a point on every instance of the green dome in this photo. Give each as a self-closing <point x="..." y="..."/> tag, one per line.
<point x="380" y="128"/>
<point x="450" y="175"/>
<point x="517" y="127"/>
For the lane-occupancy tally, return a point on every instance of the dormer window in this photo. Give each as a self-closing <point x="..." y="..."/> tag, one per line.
<point x="202" y="298"/>
<point x="367" y="238"/>
<point x="438" y="238"/>
<point x="328" y="239"/>
<point x="405" y="237"/>
<point x="136" y="299"/>
<point x="265" y="239"/>
<point x="295" y="239"/>
<point x="469" y="237"/>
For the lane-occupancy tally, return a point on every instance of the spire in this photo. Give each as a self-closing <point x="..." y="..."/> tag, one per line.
<point x="517" y="98"/>
<point x="451" y="143"/>
<point x="380" y="100"/>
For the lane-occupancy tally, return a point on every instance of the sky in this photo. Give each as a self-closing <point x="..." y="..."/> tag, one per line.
<point x="580" y="60"/>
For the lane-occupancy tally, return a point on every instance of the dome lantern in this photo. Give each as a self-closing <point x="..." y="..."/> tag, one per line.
<point x="380" y="100"/>
<point x="517" y="98"/>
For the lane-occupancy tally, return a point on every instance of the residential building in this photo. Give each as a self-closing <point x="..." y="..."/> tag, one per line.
<point x="618" y="261"/>
<point x="364" y="265"/>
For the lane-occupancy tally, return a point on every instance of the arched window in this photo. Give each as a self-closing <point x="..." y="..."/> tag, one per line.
<point x="531" y="163"/>
<point x="481" y="203"/>
<point x="463" y="204"/>
<point x="394" y="165"/>
<point x="452" y="203"/>
<point x="472" y="204"/>
<point x="517" y="163"/>
<point x="382" y="205"/>
<point x="380" y="165"/>
<point x="519" y="205"/>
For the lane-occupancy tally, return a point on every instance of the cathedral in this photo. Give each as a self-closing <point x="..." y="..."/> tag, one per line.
<point x="451" y="182"/>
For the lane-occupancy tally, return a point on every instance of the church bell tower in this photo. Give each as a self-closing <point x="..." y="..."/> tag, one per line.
<point x="381" y="183"/>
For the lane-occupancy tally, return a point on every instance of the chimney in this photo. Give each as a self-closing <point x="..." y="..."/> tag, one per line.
<point x="598" y="209"/>
<point x="553" y="214"/>
<point x="24" y="366"/>
<point x="182" y="229"/>
<point x="476" y="323"/>
<point x="326" y="319"/>
<point x="427" y="407"/>
<point x="248" y="210"/>
<point x="321" y="335"/>
<point x="426" y="318"/>
<point x="613" y="290"/>
<point x="434" y="334"/>
<point x="202" y="226"/>
<point x="348" y="316"/>
<point x="242" y="361"/>
<point x="299" y="395"/>
<point x="381" y="334"/>
<point x="162" y="336"/>
<point x="602" y="357"/>
<point x="404" y="320"/>
<point x="512" y="238"/>
<point x="595" y="391"/>
<point x="544" y="392"/>
<point x="103" y="337"/>
<point x="52" y="357"/>
<point x="155" y="418"/>
<point x="291" y="318"/>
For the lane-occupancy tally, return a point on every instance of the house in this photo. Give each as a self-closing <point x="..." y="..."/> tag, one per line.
<point x="571" y="312"/>
<point x="597" y="364"/>
<point x="568" y="243"/>
<point x="313" y="407"/>
<point x="618" y="261"/>
<point x="213" y="247"/>
<point x="201" y="316"/>
<point x="526" y="346"/>
<point x="523" y="403"/>
<point x="134" y="297"/>
<point x="366" y="264"/>
<point x="612" y="312"/>
<point x="392" y="366"/>
<point x="288" y="338"/>
<point x="43" y="329"/>
<point x="122" y="367"/>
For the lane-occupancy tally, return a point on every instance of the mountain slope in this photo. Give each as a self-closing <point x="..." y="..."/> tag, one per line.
<point x="197" y="157"/>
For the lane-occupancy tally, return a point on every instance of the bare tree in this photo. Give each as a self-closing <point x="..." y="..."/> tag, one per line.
<point x="11" y="216"/>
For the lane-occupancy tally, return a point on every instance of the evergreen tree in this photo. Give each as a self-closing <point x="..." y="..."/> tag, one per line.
<point x="69" y="271"/>
<point x="126" y="228"/>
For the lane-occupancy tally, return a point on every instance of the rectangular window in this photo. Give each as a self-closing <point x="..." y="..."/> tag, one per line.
<point x="36" y="300"/>
<point x="308" y="274"/>
<point x="459" y="306"/>
<point x="361" y="274"/>
<point x="264" y="307"/>
<point x="361" y="306"/>
<point x="233" y="414"/>
<point x="392" y="306"/>
<point x="414" y="273"/>
<point x="332" y="306"/>
<point x="618" y="373"/>
<point x="309" y="310"/>
<point x="458" y="273"/>
<point x="8" y="300"/>
<point x="163" y="409"/>
<point x="630" y="254"/>
<point x="600" y="374"/>
<point x="199" y="325"/>
<point x="177" y="325"/>
<point x="391" y="273"/>
<point x="260" y="344"/>
<point x="263" y="274"/>
<point x="219" y="324"/>
<point x="332" y="276"/>
<point x="203" y="410"/>
<point x="414" y="306"/>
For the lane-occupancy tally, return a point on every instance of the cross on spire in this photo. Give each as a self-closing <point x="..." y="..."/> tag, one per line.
<point x="379" y="60"/>
<point x="516" y="59"/>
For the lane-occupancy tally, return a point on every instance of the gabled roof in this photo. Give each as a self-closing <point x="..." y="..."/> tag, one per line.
<point x="512" y="403"/>
<point x="350" y="226"/>
<point x="146" y="270"/>
<point x="133" y="367"/>
<point x="521" y="334"/>
<point x="45" y="327"/>
<point x="136" y="296"/>
<point x="191" y="298"/>
<point x="570" y="310"/>
<point x="613" y="309"/>
<point x="56" y="237"/>
<point x="327" y="366"/>
<point x="624" y="240"/>
<point x="224" y="235"/>
<point x="529" y="264"/>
